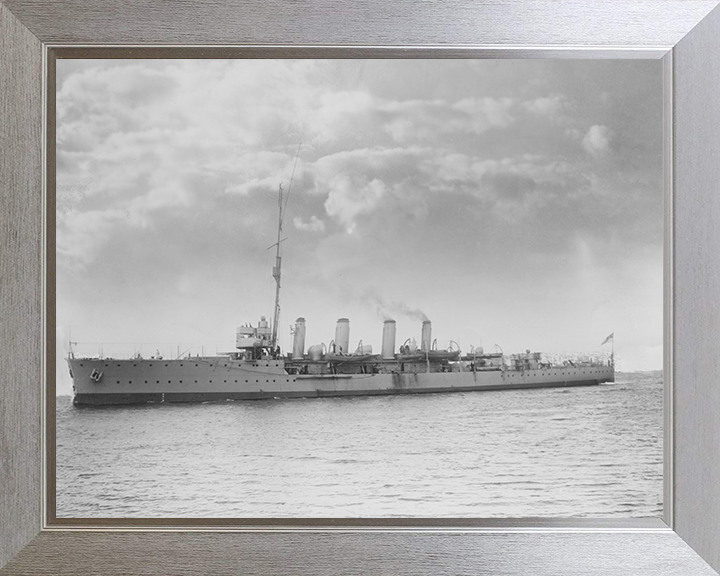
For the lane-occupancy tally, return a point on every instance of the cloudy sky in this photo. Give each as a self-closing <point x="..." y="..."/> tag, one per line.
<point x="516" y="203"/>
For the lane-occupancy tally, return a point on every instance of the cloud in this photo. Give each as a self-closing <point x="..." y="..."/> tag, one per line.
<point x="340" y="114"/>
<point x="423" y="121"/>
<point x="314" y="225"/>
<point x="81" y="235"/>
<point x="573" y="133"/>
<point x="178" y="134"/>
<point x="484" y="113"/>
<point x="509" y="185"/>
<point x="546" y="105"/>
<point x="597" y="140"/>
<point x="513" y="188"/>
<point x="348" y="198"/>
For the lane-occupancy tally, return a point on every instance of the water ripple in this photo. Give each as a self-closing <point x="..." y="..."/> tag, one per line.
<point x="581" y="452"/>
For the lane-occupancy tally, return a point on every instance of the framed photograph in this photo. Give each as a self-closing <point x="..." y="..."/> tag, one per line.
<point x="468" y="137"/>
<point x="493" y="196"/>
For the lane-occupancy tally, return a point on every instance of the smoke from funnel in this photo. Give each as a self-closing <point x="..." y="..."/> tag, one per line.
<point x="386" y="309"/>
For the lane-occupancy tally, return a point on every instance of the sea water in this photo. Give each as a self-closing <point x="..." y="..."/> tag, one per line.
<point x="559" y="452"/>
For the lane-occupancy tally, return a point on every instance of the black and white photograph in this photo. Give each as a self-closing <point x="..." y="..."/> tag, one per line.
<point x="359" y="288"/>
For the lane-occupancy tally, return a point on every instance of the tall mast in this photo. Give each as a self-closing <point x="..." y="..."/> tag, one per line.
<point x="276" y="269"/>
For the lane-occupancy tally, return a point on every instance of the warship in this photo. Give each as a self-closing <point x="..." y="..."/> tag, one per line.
<point x="258" y="369"/>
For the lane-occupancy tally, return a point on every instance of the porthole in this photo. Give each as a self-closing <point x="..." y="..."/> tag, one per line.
<point x="157" y="381"/>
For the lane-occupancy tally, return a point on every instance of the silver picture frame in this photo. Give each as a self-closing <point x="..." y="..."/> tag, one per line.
<point x="685" y="34"/>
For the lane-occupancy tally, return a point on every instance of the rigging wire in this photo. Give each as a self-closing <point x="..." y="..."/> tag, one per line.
<point x="292" y="177"/>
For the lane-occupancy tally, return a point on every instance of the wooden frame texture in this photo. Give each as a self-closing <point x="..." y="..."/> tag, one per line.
<point x="685" y="33"/>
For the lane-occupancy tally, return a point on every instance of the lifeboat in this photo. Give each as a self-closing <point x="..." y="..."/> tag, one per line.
<point x="417" y="357"/>
<point x="342" y="358"/>
<point x="440" y="355"/>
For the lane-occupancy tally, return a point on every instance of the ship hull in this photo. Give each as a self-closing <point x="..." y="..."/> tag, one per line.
<point x="112" y="382"/>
